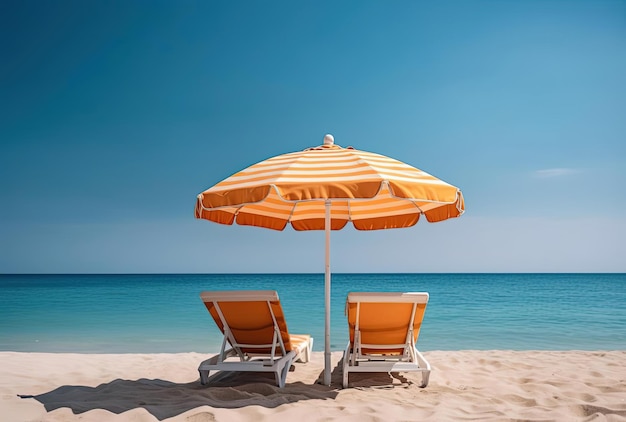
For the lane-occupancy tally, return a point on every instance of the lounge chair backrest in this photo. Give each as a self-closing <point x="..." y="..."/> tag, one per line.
<point x="384" y="318"/>
<point x="250" y="316"/>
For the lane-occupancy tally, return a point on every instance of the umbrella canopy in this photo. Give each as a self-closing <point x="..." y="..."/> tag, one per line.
<point x="324" y="188"/>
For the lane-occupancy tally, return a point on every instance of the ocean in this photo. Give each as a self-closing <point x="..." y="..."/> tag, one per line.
<point x="162" y="313"/>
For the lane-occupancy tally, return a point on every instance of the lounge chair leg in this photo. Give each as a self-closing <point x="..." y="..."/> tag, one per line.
<point x="425" y="377"/>
<point x="281" y="374"/>
<point x="281" y="377"/>
<point x="307" y="352"/>
<point x="346" y="364"/>
<point x="277" y="375"/>
<point x="204" y="377"/>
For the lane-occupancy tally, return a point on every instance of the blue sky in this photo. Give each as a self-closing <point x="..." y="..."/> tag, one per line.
<point x="114" y="116"/>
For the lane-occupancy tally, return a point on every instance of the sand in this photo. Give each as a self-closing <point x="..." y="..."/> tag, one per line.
<point x="464" y="385"/>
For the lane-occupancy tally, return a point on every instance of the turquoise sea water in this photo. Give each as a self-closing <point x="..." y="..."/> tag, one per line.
<point x="163" y="313"/>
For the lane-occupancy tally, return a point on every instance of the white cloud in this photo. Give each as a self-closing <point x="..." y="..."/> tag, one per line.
<point x="556" y="172"/>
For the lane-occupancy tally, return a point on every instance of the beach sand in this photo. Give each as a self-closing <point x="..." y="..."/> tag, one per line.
<point x="464" y="385"/>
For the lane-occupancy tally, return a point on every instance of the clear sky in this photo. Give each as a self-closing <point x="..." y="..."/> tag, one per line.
<point x="114" y="115"/>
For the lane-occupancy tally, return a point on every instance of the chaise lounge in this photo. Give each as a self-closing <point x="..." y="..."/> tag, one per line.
<point x="383" y="331"/>
<point x="254" y="328"/>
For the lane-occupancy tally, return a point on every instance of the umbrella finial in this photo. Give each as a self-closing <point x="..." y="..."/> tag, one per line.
<point x="329" y="139"/>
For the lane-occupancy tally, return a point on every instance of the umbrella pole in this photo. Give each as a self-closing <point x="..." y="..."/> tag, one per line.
<point x="327" y="297"/>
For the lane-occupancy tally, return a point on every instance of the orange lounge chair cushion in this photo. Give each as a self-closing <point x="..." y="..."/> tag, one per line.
<point x="250" y="322"/>
<point x="384" y="323"/>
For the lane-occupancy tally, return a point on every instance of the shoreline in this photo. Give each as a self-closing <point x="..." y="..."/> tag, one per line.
<point x="466" y="384"/>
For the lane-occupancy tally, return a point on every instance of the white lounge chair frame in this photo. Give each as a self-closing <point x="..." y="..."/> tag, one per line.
<point x="277" y="361"/>
<point x="411" y="360"/>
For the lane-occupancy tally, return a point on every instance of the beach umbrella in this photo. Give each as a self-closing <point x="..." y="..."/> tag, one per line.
<point x="324" y="188"/>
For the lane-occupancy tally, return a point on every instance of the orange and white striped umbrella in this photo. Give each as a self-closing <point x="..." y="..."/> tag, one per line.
<point x="370" y="190"/>
<point x="322" y="188"/>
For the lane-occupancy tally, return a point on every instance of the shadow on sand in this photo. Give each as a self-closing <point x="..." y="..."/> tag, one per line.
<point x="227" y="390"/>
<point x="165" y="399"/>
